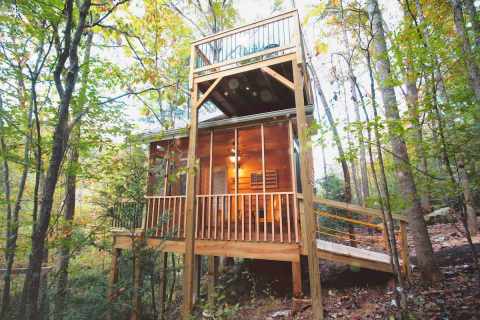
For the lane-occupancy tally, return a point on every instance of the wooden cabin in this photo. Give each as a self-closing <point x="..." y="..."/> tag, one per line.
<point x="241" y="184"/>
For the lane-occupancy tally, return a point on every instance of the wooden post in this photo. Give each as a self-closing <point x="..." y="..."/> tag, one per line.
<point x="188" y="267"/>
<point x="404" y="249"/>
<point x="197" y="274"/>
<point x="297" y="279"/>
<point x="212" y="279"/>
<point x="113" y="279"/>
<point x="162" y="292"/>
<point x="137" y="287"/>
<point x="294" y="180"/>
<point x="307" y="190"/>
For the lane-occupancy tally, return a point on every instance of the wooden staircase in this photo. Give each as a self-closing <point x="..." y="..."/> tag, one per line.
<point x="364" y="244"/>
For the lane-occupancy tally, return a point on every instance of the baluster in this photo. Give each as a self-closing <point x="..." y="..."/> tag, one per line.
<point x="243" y="217"/>
<point x="174" y="214"/>
<point x="236" y="217"/>
<point x="280" y="214"/>
<point x="265" y="217"/>
<point x="289" y="233"/>
<point x="180" y="205"/>
<point x="257" y="218"/>
<point x="202" y="199"/>
<point x="185" y="217"/>
<point x="228" y="216"/>
<point x="209" y="212"/>
<point x="215" y="217"/>
<point x="222" y="217"/>
<point x="273" y="216"/>
<point x="250" y="217"/>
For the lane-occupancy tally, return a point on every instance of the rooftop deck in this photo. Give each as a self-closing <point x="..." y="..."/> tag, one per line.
<point x="254" y="64"/>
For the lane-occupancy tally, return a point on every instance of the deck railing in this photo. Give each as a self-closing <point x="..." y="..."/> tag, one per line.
<point x="267" y="217"/>
<point x="361" y="227"/>
<point x="256" y="41"/>
<point x="127" y="215"/>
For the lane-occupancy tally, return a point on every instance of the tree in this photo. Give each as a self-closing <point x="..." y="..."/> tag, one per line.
<point x="426" y="261"/>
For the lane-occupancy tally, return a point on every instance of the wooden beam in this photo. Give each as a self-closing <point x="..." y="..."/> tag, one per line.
<point x="223" y="248"/>
<point x="113" y="279"/>
<point x="162" y="284"/>
<point x="307" y="190"/>
<point x="188" y="267"/>
<point x="137" y="288"/>
<point x="245" y="68"/>
<point x="297" y="279"/>
<point x="212" y="274"/>
<point x="207" y="93"/>
<point x="293" y="170"/>
<point x="277" y="76"/>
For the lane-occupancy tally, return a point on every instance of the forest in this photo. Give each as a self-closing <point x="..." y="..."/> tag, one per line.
<point x="91" y="89"/>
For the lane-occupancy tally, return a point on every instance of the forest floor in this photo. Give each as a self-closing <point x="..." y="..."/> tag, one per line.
<point x="364" y="294"/>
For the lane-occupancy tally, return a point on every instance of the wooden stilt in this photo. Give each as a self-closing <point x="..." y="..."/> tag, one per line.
<point x="212" y="279"/>
<point x="113" y="279"/>
<point x="137" y="288"/>
<point x="162" y="292"/>
<point x="188" y="266"/>
<point x="196" y="278"/>
<point x="307" y="190"/>
<point x="297" y="279"/>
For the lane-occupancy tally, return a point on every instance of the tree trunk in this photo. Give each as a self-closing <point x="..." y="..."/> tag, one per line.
<point x="472" y="13"/>
<point x="470" y="64"/>
<point x="70" y="191"/>
<point x="426" y="261"/>
<point x="361" y="143"/>
<point x="467" y="194"/>
<point x="65" y="87"/>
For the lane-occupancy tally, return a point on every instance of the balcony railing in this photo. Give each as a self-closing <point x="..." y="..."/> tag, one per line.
<point x="127" y="215"/>
<point x="257" y="41"/>
<point x="267" y="217"/>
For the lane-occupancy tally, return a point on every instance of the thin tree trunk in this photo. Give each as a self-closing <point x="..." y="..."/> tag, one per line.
<point x="471" y="211"/>
<point x="70" y="193"/>
<point x="472" y="13"/>
<point x="13" y="215"/>
<point x="426" y="260"/>
<point x="65" y="88"/>
<point x="338" y="143"/>
<point x="361" y="143"/>
<point x="469" y="60"/>
<point x="388" y="224"/>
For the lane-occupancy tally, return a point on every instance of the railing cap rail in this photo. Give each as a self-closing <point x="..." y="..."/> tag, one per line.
<point x="353" y="208"/>
<point x="248" y="26"/>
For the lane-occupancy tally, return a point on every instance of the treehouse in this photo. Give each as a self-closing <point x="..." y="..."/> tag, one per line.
<point x="241" y="184"/>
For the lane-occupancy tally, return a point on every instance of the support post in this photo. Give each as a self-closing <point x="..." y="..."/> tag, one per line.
<point x="113" y="279"/>
<point x="212" y="279"/>
<point x="297" y="279"/>
<point x="162" y="292"/>
<point x="197" y="274"/>
<point x="307" y="190"/>
<point x="404" y="249"/>
<point x="188" y="267"/>
<point x="137" y="287"/>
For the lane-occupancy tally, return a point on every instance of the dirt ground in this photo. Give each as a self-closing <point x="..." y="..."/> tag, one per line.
<point x="258" y="291"/>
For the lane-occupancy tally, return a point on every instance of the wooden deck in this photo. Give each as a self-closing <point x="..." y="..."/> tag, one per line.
<point x="275" y="251"/>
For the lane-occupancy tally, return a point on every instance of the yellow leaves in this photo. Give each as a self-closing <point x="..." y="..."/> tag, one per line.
<point x="314" y="12"/>
<point x="320" y="47"/>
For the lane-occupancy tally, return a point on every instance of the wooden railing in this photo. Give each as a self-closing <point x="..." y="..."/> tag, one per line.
<point x="264" y="38"/>
<point x="271" y="217"/>
<point x="363" y="227"/>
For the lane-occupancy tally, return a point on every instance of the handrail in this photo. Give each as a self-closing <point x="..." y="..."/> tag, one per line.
<point x="337" y="217"/>
<point x="244" y="27"/>
<point x="354" y="208"/>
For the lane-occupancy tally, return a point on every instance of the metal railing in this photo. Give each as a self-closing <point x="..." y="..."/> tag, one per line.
<point x="260" y="40"/>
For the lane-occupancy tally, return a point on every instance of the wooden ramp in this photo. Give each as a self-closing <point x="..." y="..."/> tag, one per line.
<point x="357" y="257"/>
